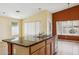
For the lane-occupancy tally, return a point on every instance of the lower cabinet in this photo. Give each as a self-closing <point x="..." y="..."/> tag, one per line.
<point x="40" y="51"/>
<point x="50" y="46"/>
<point x="48" y="49"/>
<point x="36" y="53"/>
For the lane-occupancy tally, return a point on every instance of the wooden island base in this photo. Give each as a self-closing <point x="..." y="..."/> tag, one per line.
<point x="44" y="47"/>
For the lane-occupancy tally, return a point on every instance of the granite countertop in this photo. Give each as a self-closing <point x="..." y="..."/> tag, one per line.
<point x="26" y="42"/>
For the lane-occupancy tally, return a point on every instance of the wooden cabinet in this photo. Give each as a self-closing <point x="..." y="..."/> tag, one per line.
<point x="42" y="51"/>
<point x="50" y="46"/>
<point x="48" y="49"/>
<point x="67" y="37"/>
<point x="43" y="47"/>
<point x="37" y="46"/>
<point x="19" y="50"/>
<point x="36" y="53"/>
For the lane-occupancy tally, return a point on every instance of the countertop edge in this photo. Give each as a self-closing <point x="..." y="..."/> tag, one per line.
<point x="28" y="45"/>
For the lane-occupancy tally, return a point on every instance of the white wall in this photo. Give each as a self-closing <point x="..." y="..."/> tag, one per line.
<point x="5" y="27"/>
<point x="41" y="17"/>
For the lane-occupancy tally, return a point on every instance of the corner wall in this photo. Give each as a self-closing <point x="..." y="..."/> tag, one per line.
<point x="5" y="27"/>
<point x="64" y="15"/>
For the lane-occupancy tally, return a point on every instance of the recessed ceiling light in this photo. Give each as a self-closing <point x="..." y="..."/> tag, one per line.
<point x="17" y="11"/>
<point x="3" y="12"/>
<point x="39" y="8"/>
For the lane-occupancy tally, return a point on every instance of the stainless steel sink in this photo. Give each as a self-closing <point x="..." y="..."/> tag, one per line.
<point x="42" y="36"/>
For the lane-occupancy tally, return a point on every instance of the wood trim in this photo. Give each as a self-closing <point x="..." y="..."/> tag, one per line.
<point x="29" y="50"/>
<point x="10" y="49"/>
<point x="45" y="48"/>
<point x="54" y="47"/>
<point x="51" y="49"/>
<point x="67" y="37"/>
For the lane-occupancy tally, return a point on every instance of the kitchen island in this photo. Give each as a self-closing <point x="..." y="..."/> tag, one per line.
<point x="36" y="46"/>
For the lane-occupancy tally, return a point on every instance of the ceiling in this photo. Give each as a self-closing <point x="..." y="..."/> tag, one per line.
<point x="25" y="10"/>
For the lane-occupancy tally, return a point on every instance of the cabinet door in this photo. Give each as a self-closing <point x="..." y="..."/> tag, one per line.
<point x="48" y="49"/>
<point x="36" y="53"/>
<point x="42" y="51"/>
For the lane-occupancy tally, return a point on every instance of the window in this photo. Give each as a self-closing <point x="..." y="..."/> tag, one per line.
<point x="31" y="29"/>
<point x="49" y="26"/>
<point x="15" y="29"/>
<point x="68" y="27"/>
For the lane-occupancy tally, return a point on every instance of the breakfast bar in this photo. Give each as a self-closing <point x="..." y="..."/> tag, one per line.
<point x="36" y="46"/>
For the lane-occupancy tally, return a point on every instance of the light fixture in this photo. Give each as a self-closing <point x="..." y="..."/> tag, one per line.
<point x="3" y="12"/>
<point x="39" y="9"/>
<point x="17" y="11"/>
<point x="68" y="4"/>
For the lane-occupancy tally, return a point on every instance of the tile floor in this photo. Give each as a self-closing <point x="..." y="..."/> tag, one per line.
<point x="68" y="48"/>
<point x="64" y="48"/>
<point x="3" y="48"/>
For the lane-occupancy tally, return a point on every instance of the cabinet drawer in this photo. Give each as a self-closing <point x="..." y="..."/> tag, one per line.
<point x="37" y="46"/>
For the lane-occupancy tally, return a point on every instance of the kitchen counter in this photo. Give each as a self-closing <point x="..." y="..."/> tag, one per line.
<point x="27" y="42"/>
